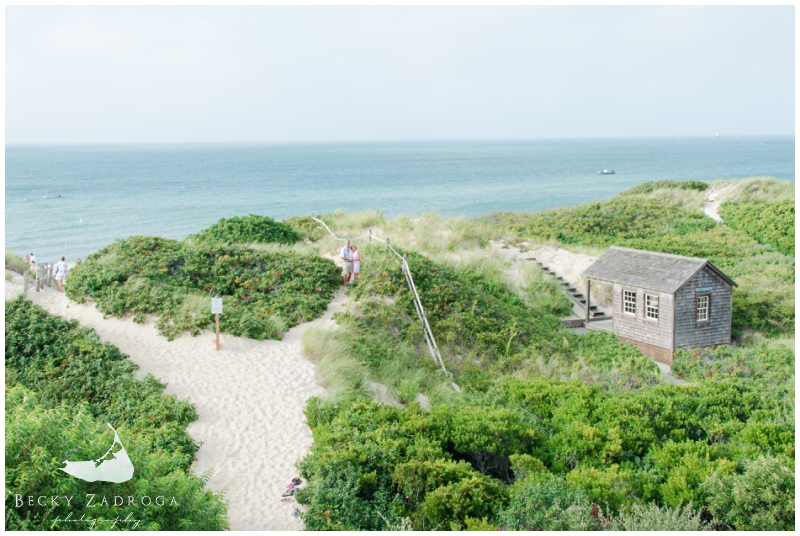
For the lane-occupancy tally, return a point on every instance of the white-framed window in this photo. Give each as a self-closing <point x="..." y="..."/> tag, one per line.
<point x="703" y="308"/>
<point x="629" y="302"/>
<point x="651" y="306"/>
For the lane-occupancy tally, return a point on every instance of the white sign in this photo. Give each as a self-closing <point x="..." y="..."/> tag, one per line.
<point x="216" y="305"/>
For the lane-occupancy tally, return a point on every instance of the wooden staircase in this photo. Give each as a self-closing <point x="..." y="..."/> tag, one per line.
<point x="573" y="294"/>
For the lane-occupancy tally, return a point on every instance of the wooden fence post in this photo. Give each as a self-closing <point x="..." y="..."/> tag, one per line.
<point x="588" y="294"/>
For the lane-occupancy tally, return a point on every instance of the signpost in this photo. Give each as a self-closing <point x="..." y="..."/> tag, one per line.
<point x="216" y="309"/>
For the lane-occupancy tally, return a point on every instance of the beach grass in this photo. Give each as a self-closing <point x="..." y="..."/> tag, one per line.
<point x="764" y="299"/>
<point x="763" y="189"/>
<point x="546" y="421"/>
<point x="15" y="262"/>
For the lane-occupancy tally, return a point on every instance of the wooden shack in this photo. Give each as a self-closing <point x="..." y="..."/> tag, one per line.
<point x="664" y="302"/>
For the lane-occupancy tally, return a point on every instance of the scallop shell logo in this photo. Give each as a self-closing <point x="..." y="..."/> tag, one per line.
<point x="113" y="466"/>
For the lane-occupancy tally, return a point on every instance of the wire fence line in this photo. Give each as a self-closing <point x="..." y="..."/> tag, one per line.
<point x="430" y="340"/>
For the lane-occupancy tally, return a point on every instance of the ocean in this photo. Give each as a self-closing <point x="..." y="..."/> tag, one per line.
<point x="73" y="200"/>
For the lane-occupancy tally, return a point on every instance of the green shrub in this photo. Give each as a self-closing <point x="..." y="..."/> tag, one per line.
<point x="481" y="327"/>
<point x="62" y="386"/>
<point x="764" y="300"/>
<point x="40" y="438"/>
<point x="761" y="498"/>
<point x="249" y="229"/>
<point x="548" y="504"/>
<point x="611" y="487"/>
<point x="263" y="292"/>
<point x="415" y="478"/>
<point x="766" y="364"/>
<point x="372" y="462"/>
<point x="650" y="517"/>
<point x="305" y="227"/>
<point x="768" y="223"/>
<point x="449" y="506"/>
<point x="615" y="449"/>
<point x="67" y="364"/>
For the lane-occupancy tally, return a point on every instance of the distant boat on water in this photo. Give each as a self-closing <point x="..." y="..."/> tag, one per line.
<point x="607" y="172"/>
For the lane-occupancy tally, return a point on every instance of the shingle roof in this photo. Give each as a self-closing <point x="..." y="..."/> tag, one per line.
<point x="647" y="269"/>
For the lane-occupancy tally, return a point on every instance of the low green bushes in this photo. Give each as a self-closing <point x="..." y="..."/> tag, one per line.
<point x="547" y="504"/>
<point x="764" y="299"/>
<point x="759" y="498"/>
<point x="483" y="329"/>
<point x="62" y="386"/>
<point x="263" y="292"/>
<point x="650" y="517"/>
<point x="554" y="430"/>
<point x="305" y="227"/>
<point x="249" y="229"/>
<point x="768" y="223"/>
<point x="767" y="364"/>
<point x="549" y="455"/>
<point x="65" y="363"/>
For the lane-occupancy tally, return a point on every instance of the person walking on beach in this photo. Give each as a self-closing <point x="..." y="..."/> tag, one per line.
<point x="61" y="273"/>
<point x="356" y="262"/>
<point x="347" y="262"/>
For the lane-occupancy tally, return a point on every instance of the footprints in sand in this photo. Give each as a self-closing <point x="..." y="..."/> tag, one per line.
<point x="249" y="397"/>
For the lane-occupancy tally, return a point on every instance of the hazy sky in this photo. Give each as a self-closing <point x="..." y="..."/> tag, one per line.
<point x="250" y="74"/>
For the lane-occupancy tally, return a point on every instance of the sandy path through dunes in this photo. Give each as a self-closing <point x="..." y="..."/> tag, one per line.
<point x="249" y="396"/>
<point x="715" y="195"/>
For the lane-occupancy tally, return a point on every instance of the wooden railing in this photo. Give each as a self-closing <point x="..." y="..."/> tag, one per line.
<point x="430" y="340"/>
<point x="44" y="275"/>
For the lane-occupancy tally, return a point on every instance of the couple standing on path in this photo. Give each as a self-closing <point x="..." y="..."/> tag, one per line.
<point x="351" y="262"/>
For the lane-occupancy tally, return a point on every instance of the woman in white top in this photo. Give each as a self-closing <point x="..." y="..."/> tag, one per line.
<point x="61" y="273"/>
<point x="356" y="262"/>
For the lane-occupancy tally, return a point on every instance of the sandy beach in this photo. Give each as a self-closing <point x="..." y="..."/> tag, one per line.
<point x="249" y="397"/>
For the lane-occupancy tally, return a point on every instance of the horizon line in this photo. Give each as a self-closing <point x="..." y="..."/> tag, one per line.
<point x="389" y="141"/>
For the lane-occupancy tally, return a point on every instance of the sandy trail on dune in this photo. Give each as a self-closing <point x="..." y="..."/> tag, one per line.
<point x="249" y="397"/>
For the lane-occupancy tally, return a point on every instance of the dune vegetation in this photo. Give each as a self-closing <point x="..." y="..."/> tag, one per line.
<point x="62" y="386"/>
<point x="264" y="292"/>
<point x="643" y="218"/>
<point x="552" y="430"/>
<point x="548" y="429"/>
<point x="767" y="222"/>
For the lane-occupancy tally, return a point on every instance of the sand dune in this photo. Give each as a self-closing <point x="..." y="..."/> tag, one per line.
<point x="249" y="396"/>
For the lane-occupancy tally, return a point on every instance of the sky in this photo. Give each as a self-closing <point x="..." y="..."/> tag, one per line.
<point x="212" y="74"/>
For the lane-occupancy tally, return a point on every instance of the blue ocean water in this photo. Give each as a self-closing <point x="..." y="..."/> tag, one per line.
<point x="111" y="192"/>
